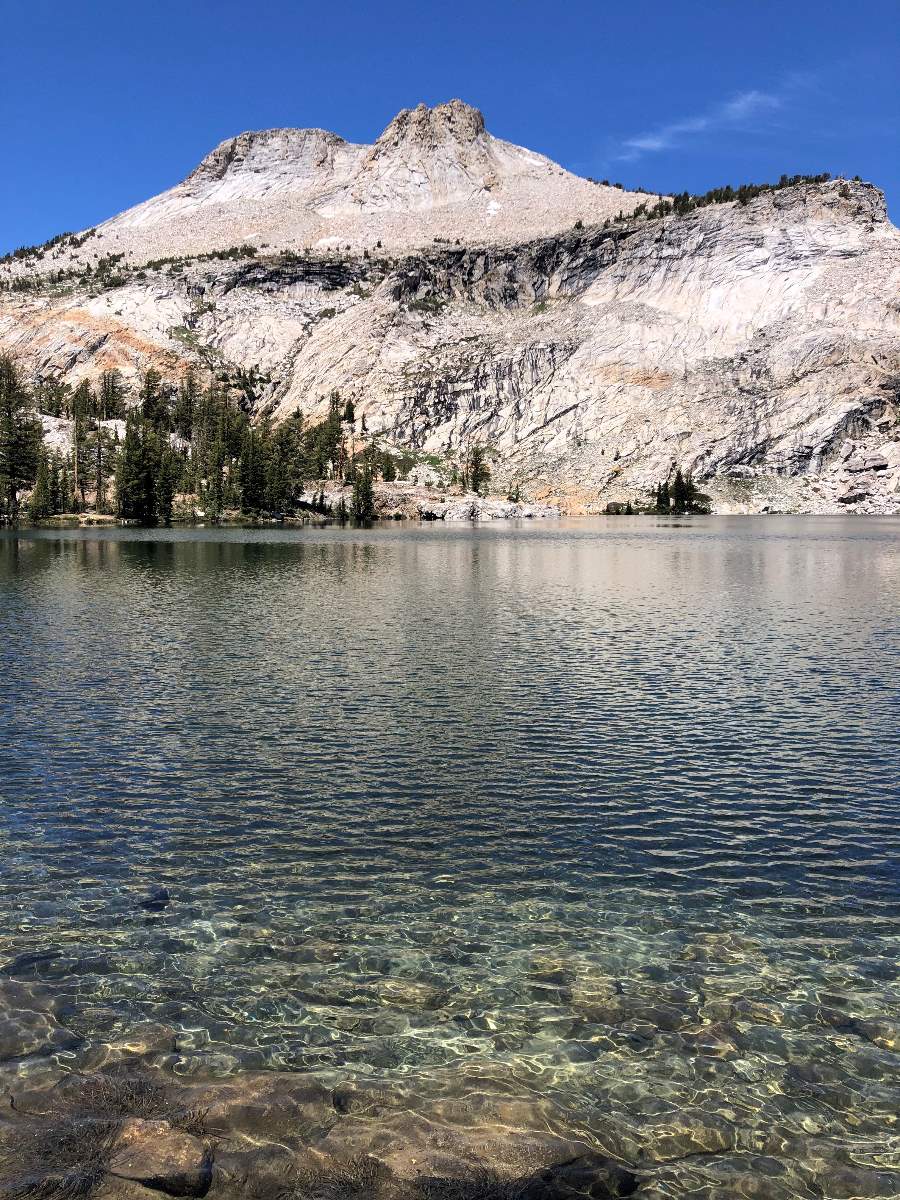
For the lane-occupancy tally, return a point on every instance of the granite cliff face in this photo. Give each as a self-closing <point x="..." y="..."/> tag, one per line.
<point x="757" y="345"/>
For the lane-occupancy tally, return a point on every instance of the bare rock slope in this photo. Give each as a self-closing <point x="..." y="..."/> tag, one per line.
<point x="757" y="345"/>
<point x="435" y="173"/>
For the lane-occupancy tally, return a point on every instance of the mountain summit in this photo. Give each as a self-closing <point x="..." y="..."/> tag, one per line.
<point x="433" y="174"/>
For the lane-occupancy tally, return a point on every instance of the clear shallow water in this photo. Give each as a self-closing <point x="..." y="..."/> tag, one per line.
<point x="602" y="815"/>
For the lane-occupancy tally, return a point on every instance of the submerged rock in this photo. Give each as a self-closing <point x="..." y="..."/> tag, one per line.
<point x="156" y="899"/>
<point x="27" y="1033"/>
<point x="588" y="1175"/>
<point x="167" y="1160"/>
<point x="690" y="1131"/>
<point x="366" y="1177"/>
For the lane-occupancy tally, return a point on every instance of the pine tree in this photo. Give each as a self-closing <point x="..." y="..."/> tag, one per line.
<point x="167" y="475"/>
<point x="66" y="493"/>
<point x="112" y="396"/>
<point x="82" y="406"/>
<point x="286" y="458"/>
<point x="21" y="437"/>
<point x="680" y="495"/>
<point x="186" y="405"/>
<point x="41" y="503"/>
<point x="252" y="470"/>
<point x="110" y="406"/>
<point x="362" y="507"/>
<point x="135" y="475"/>
<point x="103" y="461"/>
<point x="477" y="471"/>
<point x="214" y="496"/>
<point x="56" y="490"/>
<point x="147" y="474"/>
<point x="153" y="404"/>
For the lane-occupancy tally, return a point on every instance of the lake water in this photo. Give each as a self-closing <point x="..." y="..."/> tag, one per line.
<point x="599" y="817"/>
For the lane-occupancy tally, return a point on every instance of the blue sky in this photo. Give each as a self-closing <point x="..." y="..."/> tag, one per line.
<point x="104" y="104"/>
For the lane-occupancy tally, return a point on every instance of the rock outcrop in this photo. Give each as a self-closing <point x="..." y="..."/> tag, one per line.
<point x="756" y="345"/>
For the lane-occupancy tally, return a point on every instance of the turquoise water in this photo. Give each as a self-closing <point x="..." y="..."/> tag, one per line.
<point x="602" y="815"/>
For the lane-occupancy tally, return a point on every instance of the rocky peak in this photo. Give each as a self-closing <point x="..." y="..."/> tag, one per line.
<point x="304" y="150"/>
<point x="428" y="128"/>
<point x="431" y="157"/>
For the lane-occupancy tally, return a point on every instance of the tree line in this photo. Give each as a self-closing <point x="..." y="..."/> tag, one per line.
<point x="132" y="455"/>
<point x="685" y="202"/>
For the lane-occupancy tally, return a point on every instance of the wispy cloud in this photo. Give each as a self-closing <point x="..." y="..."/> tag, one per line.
<point x="743" y="111"/>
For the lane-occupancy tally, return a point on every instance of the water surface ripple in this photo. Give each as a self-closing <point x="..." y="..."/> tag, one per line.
<point x="602" y="815"/>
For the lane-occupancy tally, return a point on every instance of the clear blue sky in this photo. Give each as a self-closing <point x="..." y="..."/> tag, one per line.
<point x="103" y="104"/>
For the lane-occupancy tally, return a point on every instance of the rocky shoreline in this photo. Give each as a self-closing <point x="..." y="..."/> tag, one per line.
<point x="867" y="485"/>
<point x="411" y="501"/>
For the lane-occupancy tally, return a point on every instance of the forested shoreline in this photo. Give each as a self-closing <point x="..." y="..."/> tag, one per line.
<point x="180" y="451"/>
<point x="175" y="446"/>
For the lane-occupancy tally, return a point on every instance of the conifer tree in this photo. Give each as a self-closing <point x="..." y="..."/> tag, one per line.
<point x="41" y="503"/>
<point x="82" y="406"/>
<point x="21" y="437"/>
<point x="110" y="406"/>
<point x="477" y="471"/>
<point x="252" y="470"/>
<point x="186" y="405"/>
<point x="679" y="493"/>
<point x="282" y="466"/>
<point x="214" y="494"/>
<point x="135" y="484"/>
<point x="66" y="493"/>
<point x="362" y="507"/>
<point x="111" y="400"/>
<point x="146" y="475"/>
<point x="55" y="482"/>
<point x="153" y="404"/>
<point x="168" y="470"/>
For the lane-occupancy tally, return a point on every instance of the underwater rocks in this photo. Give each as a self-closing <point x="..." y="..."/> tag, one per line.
<point x="703" y="1069"/>
<point x="167" y="1160"/>
<point x="689" y="1132"/>
<point x="24" y="1033"/>
<point x="588" y="1175"/>
<point x="156" y="900"/>
<point x="123" y="1136"/>
<point x="115" y="1134"/>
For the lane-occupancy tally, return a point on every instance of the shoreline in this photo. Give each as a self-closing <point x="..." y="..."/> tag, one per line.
<point x="73" y="521"/>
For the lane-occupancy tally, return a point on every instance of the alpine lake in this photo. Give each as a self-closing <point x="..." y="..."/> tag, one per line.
<point x="434" y="857"/>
